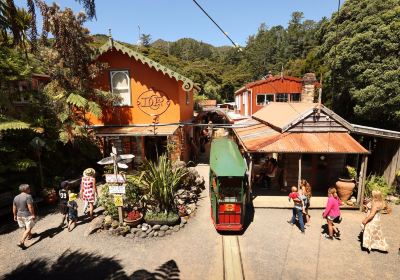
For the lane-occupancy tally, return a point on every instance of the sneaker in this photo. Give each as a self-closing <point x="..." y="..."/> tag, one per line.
<point x="307" y="225"/>
<point x="327" y="236"/>
<point x="290" y="222"/>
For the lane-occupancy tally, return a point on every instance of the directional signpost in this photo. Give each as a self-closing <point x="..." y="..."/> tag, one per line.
<point x="118" y="180"/>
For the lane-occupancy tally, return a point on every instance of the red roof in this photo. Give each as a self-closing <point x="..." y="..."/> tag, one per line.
<point x="277" y="84"/>
<point x="259" y="137"/>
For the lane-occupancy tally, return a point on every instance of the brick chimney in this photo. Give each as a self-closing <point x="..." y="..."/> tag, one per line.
<point x="308" y="89"/>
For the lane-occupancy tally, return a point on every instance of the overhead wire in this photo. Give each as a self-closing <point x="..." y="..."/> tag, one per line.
<point x="217" y="25"/>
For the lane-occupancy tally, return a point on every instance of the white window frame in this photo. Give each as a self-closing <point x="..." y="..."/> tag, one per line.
<point x="126" y="72"/>
<point x="277" y="99"/>
<point x="265" y="98"/>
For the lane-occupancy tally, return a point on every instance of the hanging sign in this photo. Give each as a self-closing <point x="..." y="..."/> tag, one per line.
<point x="118" y="200"/>
<point x="112" y="178"/>
<point x="117" y="189"/>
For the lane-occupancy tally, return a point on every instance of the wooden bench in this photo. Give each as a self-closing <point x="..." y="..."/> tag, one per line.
<point x="6" y="201"/>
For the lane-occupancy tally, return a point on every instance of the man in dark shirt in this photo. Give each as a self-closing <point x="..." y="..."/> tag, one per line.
<point x="24" y="212"/>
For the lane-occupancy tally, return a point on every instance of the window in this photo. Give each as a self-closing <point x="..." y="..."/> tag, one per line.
<point x="120" y="84"/>
<point x="295" y="97"/>
<point x="187" y="97"/>
<point x="282" y="97"/>
<point x="263" y="99"/>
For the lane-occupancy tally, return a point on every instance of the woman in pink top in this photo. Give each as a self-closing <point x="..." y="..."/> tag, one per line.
<point x="88" y="188"/>
<point x="332" y="212"/>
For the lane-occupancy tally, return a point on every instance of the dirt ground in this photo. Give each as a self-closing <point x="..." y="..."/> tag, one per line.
<point x="270" y="249"/>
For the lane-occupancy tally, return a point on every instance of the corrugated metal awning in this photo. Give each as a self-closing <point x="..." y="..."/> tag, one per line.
<point x="264" y="139"/>
<point x="162" y="130"/>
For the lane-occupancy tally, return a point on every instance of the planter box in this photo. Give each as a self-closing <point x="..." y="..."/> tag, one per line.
<point x="153" y="222"/>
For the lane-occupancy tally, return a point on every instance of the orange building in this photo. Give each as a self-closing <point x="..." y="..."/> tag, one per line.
<point x="155" y="103"/>
<point x="255" y="95"/>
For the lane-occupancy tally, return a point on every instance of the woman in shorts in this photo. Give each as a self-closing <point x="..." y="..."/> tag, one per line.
<point x="331" y="213"/>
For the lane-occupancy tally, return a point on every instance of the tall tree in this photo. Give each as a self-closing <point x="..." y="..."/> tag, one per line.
<point x="9" y="20"/>
<point x="68" y="61"/>
<point x="361" y="46"/>
<point x="145" y="40"/>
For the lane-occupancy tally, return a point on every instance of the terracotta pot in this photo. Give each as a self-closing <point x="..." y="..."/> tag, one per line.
<point x="133" y="223"/>
<point x="345" y="188"/>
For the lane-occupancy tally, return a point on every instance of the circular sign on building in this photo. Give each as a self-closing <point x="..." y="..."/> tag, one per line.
<point x="153" y="102"/>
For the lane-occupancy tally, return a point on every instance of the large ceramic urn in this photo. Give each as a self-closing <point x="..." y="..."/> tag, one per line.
<point x="345" y="188"/>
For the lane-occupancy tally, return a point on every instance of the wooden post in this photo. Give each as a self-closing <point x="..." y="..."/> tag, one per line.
<point x="114" y="157"/>
<point x="361" y="186"/>
<point x="299" y="179"/>
<point x="250" y="175"/>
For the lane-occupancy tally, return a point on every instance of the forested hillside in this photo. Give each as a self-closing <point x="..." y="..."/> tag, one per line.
<point x="356" y="51"/>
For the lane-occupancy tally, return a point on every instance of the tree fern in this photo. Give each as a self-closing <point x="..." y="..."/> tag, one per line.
<point x="77" y="100"/>
<point x="94" y="108"/>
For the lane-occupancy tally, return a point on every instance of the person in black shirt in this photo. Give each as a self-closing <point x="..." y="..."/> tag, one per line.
<point x="63" y="195"/>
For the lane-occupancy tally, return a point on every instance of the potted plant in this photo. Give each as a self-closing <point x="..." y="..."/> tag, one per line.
<point x="346" y="183"/>
<point x="134" y="218"/>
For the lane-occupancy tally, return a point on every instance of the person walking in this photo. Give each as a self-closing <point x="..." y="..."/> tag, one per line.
<point x="72" y="211"/>
<point x="63" y="201"/>
<point x="24" y="213"/>
<point x="331" y="213"/>
<point x="88" y="189"/>
<point x="372" y="229"/>
<point x="297" y="210"/>
<point x="306" y="188"/>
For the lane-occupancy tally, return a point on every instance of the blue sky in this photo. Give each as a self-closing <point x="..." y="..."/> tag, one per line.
<point x="174" y="19"/>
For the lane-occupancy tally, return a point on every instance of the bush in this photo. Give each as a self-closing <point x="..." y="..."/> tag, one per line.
<point x="134" y="191"/>
<point x="107" y="201"/>
<point x="377" y="183"/>
<point x="162" y="180"/>
<point x="161" y="218"/>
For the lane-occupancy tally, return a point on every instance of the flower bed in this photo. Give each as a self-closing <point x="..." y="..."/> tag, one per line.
<point x="164" y="211"/>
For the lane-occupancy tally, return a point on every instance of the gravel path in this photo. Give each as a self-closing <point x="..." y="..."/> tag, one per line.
<point x="269" y="248"/>
<point x="272" y="247"/>
<point x="195" y="249"/>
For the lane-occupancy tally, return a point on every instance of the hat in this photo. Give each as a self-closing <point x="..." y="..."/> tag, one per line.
<point x="89" y="172"/>
<point x="72" y="196"/>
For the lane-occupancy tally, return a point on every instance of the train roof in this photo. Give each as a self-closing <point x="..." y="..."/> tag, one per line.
<point x="225" y="158"/>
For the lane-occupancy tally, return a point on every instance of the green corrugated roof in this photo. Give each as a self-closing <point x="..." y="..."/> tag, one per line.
<point x="187" y="83"/>
<point x="225" y="158"/>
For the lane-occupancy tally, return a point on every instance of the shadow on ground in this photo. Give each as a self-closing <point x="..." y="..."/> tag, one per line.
<point x="78" y="265"/>
<point x="8" y="224"/>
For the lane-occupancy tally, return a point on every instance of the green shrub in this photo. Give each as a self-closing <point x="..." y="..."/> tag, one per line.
<point x="134" y="191"/>
<point x="162" y="181"/>
<point x="107" y="201"/>
<point x="351" y="172"/>
<point x="377" y="183"/>
<point x="162" y="216"/>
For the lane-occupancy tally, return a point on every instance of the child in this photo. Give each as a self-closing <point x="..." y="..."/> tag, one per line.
<point x="63" y="195"/>
<point x="72" y="211"/>
<point x="294" y="194"/>
<point x="298" y="209"/>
